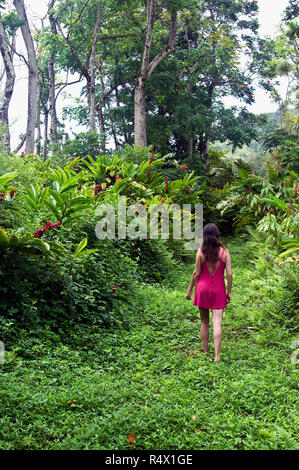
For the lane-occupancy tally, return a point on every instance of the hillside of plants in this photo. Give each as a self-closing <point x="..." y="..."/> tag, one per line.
<point x="99" y="347"/>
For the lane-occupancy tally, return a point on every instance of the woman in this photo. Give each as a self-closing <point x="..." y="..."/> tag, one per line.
<point x="211" y="260"/>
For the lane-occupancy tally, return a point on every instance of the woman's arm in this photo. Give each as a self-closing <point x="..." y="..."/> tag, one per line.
<point x="195" y="275"/>
<point x="229" y="276"/>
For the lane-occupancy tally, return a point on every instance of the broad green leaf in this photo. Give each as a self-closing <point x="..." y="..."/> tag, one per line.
<point x="7" y="177"/>
<point x="81" y="246"/>
<point x="14" y="240"/>
<point x="4" y="242"/>
<point x="52" y="208"/>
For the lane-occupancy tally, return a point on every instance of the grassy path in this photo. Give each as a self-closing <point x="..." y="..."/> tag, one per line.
<point x="148" y="382"/>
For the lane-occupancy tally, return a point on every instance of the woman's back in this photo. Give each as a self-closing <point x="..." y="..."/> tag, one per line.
<point x="210" y="289"/>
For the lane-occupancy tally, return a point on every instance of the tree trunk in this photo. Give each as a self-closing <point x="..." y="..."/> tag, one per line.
<point x="126" y="140"/>
<point x="92" y="101"/>
<point x="99" y="107"/>
<point x="51" y="71"/>
<point x="32" y="75"/>
<point x="52" y="100"/>
<point x="9" y="85"/>
<point x="140" y="114"/>
<point x="38" y="128"/>
<point x="203" y="146"/>
<point x="204" y="141"/>
<point x="147" y="69"/>
<point x="46" y="124"/>
<point x="191" y="142"/>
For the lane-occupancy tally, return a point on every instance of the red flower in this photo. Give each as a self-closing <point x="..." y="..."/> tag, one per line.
<point x="96" y="190"/>
<point x="265" y="213"/>
<point x="210" y="189"/>
<point x="39" y="233"/>
<point x="57" y="224"/>
<point x="249" y="188"/>
<point x="131" y="437"/>
<point x="116" y="178"/>
<point x="12" y="192"/>
<point x="148" y="174"/>
<point x="282" y="184"/>
<point x="114" y="289"/>
<point x="187" y="190"/>
<point x="166" y="185"/>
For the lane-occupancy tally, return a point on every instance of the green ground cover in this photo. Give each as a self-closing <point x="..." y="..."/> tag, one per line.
<point x="92" y="387"/>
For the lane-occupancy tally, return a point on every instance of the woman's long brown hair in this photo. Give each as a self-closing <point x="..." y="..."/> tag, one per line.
<point x="211" y="243"/>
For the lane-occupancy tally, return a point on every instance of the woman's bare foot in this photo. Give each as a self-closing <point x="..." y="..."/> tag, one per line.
<point x="217" y="359"/>
<point x="199" y="351"/>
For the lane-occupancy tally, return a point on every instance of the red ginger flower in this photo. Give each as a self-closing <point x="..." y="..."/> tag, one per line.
<point x="12" y="192"/>
<point x="148" y="174"/>
<point x="152" y="158"/>
<point x="40" y="232"/>
<point x="57" y="224"/>
<point x="131" y="437"/>
<point x="166" y="185"/>
<point x="96" y="190"/>
<point x="114" y="289"/>
<point x="116" y="178"/>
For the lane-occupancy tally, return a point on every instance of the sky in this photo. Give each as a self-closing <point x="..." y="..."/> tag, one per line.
<point x="270" y="12"/>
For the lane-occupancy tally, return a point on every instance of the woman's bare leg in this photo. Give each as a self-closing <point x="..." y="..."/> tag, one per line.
<point x="204" y="328"/>
<point x="217" y="331"/>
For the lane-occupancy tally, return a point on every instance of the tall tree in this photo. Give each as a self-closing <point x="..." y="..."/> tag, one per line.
<point x="82" y="45"/>
<point x="32" y="75"/>
<point x="51" y="72"/>
<point x="7" y="57"/>
<point x="148" y="67"/>
<point x="92" y="69"/>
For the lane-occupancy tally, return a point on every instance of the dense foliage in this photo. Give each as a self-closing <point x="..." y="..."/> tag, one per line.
<point x="100" y="341"/>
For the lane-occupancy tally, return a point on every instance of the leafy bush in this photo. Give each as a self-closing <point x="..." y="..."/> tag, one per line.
<point x="38" y="293"/>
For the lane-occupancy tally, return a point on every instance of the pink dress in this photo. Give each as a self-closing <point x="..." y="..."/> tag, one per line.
<point x="210" y="289"/>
